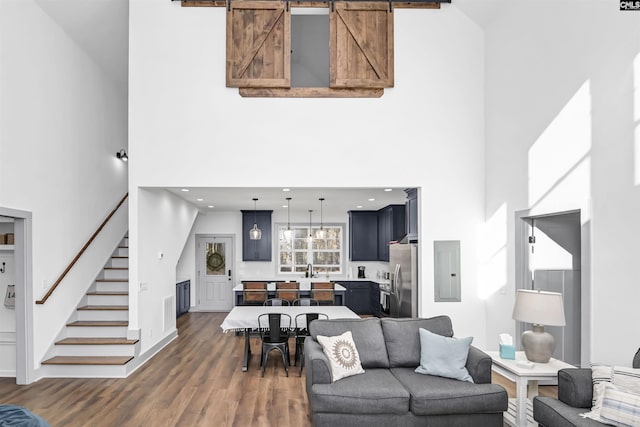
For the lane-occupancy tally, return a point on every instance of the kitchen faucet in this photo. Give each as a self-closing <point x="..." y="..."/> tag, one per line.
<point x="309" y="270"/>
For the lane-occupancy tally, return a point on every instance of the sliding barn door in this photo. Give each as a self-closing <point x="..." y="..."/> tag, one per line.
<point x="361" y="45"/>
<point x="258" y="44"/>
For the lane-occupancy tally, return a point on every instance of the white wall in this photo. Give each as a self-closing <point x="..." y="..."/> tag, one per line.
<point x="188" y="129"/>
<point x="61" y="122"/>
<point x="560" y="135"/>
<point x="163" y="228"/>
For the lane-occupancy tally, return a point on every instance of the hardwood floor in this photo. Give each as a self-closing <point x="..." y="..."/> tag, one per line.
<point x="196" y="381"/>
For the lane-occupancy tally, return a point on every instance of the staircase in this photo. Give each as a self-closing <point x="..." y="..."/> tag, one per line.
<point x="94" y="342"/>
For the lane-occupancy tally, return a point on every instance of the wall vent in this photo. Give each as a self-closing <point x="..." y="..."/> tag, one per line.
<point x="169" y="316"/>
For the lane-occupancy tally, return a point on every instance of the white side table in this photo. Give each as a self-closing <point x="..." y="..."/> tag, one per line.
<point x="526" y="382"/>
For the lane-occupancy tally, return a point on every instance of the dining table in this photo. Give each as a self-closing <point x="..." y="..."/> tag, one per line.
<point x="245" y="319"/>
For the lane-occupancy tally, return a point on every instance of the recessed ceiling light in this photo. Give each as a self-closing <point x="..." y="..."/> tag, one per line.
<point x="388" y="189"/>
<point x="185" y="189"/>
<point x="199" y="200"/>
<point x="284" y="206"/>
<point x="359" y="206"/>
<point x="210" y="206"/>
<point x="286" y="189"/>
<point x="372" y="200"/>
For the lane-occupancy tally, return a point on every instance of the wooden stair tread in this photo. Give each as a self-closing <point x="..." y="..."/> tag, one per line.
<point x="96" y="341"/>
<point x="104" y="307"/>
<point x="116" y="268"/>
<point x="99" y="323"/>
<point x="120" y="256"/>
<point x="88" y="360"/>
<point x="108" y="293"/>
<point x="112" y="280"/>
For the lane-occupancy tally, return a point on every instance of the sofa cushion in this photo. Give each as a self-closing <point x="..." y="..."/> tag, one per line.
<point x="444" y="356"/>
<point x="431" y="395"/>
<point x="375" y="392"/>
<point x="403" y="339"/>
<point x="367" y="334"/>
<point x="552" y="413"/>
<point x="342" y="354"/>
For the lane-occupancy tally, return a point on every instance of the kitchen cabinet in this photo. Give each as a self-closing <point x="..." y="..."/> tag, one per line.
<point x="256" y="250"/>
<point x="391" y="226"/>
<point x="363" y="235"/>
<point x="412" y="214"/>
<point x="183" y="297"/>
<point x="362" y="297"/>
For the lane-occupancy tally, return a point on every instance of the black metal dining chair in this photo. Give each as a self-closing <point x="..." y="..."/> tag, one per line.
<point x="301" y="333"/>
<point x="274" y="334"/>
<point x="276" y="302"/>
<point x="305" y="302"/>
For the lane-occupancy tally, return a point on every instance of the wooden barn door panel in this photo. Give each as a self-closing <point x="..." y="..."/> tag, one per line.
<point x="258" y="44"/>
<point x="361" y="45"/>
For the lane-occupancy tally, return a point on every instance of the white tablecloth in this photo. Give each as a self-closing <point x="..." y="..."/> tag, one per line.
<point x="246" y="317"/>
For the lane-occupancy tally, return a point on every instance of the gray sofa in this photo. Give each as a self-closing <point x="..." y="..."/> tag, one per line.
<point x="575" y="391"/>
<point x="390" y="393"/>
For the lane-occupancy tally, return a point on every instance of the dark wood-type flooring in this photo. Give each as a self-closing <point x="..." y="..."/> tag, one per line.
<point x="195" y="381"/>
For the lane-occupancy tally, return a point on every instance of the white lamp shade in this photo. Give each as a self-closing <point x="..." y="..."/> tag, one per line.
<point x="539" y="307"/>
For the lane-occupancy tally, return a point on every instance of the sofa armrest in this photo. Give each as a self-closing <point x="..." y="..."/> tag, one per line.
<point x="318" y="370"/>
<point x="575" y="387"/>
<point x="479" y="366"/>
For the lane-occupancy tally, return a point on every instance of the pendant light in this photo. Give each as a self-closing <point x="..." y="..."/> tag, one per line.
<point x="320" y="233"/>
<point x="287" y="232"/>
<point x="310" y="238"/>
<point x="255" y="233"/>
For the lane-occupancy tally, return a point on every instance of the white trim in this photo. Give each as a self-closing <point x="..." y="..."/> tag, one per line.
<point x="25" y="372"/>
<point x="140" y="360"/>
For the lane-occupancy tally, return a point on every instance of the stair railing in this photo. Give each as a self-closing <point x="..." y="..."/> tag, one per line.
<point x="84" y="248"/>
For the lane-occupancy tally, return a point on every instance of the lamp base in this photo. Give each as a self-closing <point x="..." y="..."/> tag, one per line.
<point x="538" y="345"/>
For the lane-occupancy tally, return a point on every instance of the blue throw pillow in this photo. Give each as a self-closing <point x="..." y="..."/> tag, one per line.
<point x="443" y="356"/>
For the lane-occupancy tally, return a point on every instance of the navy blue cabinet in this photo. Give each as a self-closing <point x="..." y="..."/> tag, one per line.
<point x="391" y="227"/>
<point x="256" y="250"/>
<point x="183" y="297"/>
<point x="362" y="297"/>
<point x="363" y="235"/>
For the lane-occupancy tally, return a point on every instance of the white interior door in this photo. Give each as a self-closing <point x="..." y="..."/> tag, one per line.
<point x="215" y="273"/>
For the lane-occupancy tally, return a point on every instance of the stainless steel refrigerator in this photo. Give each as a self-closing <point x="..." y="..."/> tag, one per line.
<point x="403" y="265"/>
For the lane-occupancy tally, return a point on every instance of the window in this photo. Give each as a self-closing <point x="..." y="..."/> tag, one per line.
<point x="324" y="254"/>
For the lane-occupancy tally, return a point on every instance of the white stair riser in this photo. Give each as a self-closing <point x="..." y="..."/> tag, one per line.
<point x="107" y="299"/>
<point x="122" y="252"/>
<point x="119" y="262"/>
<point x="115" y="274"/>
<point x="85" y="371"/>
<point x="103" y="314"/>
<point x="96" y="331"/>
<point x="112" y="286"/>
<point x="95" y="350"/>
<point x="125" y="242"/>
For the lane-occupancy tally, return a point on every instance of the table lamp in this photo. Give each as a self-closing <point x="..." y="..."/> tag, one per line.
<point x="538" y="308"/>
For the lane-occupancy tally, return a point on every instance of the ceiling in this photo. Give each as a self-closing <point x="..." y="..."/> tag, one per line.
<point x="302" y="199"/>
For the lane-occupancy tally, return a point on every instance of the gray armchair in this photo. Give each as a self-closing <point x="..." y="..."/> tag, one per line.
<point x="575" y="391"/>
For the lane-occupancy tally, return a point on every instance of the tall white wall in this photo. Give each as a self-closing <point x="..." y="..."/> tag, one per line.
<point x="188" y="129"/>
<point x="160" y="235"/>
<point x="560" y="135"/>
<point x="61" y="121"/>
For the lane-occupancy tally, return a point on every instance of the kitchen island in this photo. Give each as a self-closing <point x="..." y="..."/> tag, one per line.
<point x="304" y="288"/>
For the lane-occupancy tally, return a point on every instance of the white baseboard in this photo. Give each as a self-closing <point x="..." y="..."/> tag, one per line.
<point x="147" y="355"/>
